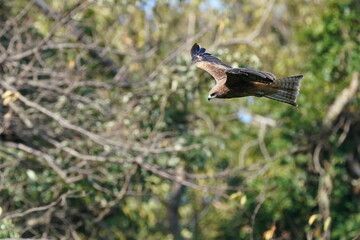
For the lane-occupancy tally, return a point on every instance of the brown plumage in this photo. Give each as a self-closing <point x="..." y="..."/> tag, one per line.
<point x="243" y="82"/>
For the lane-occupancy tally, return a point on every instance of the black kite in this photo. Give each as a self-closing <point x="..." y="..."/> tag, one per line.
<point x="243" y="82"/>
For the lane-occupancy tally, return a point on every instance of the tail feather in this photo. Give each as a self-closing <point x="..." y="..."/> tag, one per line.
<point x="287" y="90"/>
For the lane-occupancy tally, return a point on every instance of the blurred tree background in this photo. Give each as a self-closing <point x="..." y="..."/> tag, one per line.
<point x="106" y="132"/>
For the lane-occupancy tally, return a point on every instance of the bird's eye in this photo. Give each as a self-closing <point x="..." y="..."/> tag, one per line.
<point x="213" y="94"/>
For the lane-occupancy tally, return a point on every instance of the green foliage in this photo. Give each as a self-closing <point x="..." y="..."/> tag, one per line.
<point x="8" y="229"/>
<point x="240" y="177"/>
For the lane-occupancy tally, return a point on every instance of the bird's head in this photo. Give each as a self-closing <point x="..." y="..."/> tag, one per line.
<point x="219" y="91"/>
<point x="212" y="95"/>
<point x="214" y="92"/>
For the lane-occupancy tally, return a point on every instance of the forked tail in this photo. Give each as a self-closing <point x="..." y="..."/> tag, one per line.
<point x="287" y="89"/>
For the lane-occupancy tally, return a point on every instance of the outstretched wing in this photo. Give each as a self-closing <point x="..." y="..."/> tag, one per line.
<point x="209" y="63"/>
<point x="235" y="75"/>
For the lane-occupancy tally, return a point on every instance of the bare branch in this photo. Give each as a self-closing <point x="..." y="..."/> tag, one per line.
<point x="173" y="206"/>
<point x="261" y="200"/>
<point x="80" y="36"/>
<point x="37" y="209"/>
<point x="49" y="159"/>
<point x="342" y="99"/>
<point x="249" y="38"/>
<point x="118" y="196"/>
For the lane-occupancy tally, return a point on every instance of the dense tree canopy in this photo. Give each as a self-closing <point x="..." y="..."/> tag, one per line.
<point x="106" y="131"/>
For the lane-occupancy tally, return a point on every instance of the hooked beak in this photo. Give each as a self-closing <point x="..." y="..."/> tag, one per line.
<point x="210" y="97"/>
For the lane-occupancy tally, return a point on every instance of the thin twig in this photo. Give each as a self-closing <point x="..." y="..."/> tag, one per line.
<point x="37" y="209"/>
<point x="249" y="38"/>
<point x="49" y="159"/>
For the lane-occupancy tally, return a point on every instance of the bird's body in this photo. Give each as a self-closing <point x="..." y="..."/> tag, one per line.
<point x="243" y="82"/>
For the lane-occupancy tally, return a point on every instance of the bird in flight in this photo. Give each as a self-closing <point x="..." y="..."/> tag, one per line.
<point x="242" y="82"/>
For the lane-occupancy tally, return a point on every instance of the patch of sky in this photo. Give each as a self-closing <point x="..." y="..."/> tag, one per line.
<point x="244" y="116"/>
<point x="148" y="6"/>
<point x="213" y="4"/>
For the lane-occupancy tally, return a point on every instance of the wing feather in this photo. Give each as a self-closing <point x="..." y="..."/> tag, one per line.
<point x="209" y="63"/>
<point x="235" y="75"/>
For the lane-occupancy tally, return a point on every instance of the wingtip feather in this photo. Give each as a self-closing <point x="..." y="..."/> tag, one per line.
<point x="195" y="48"/>
<point x="199" y="54"/>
